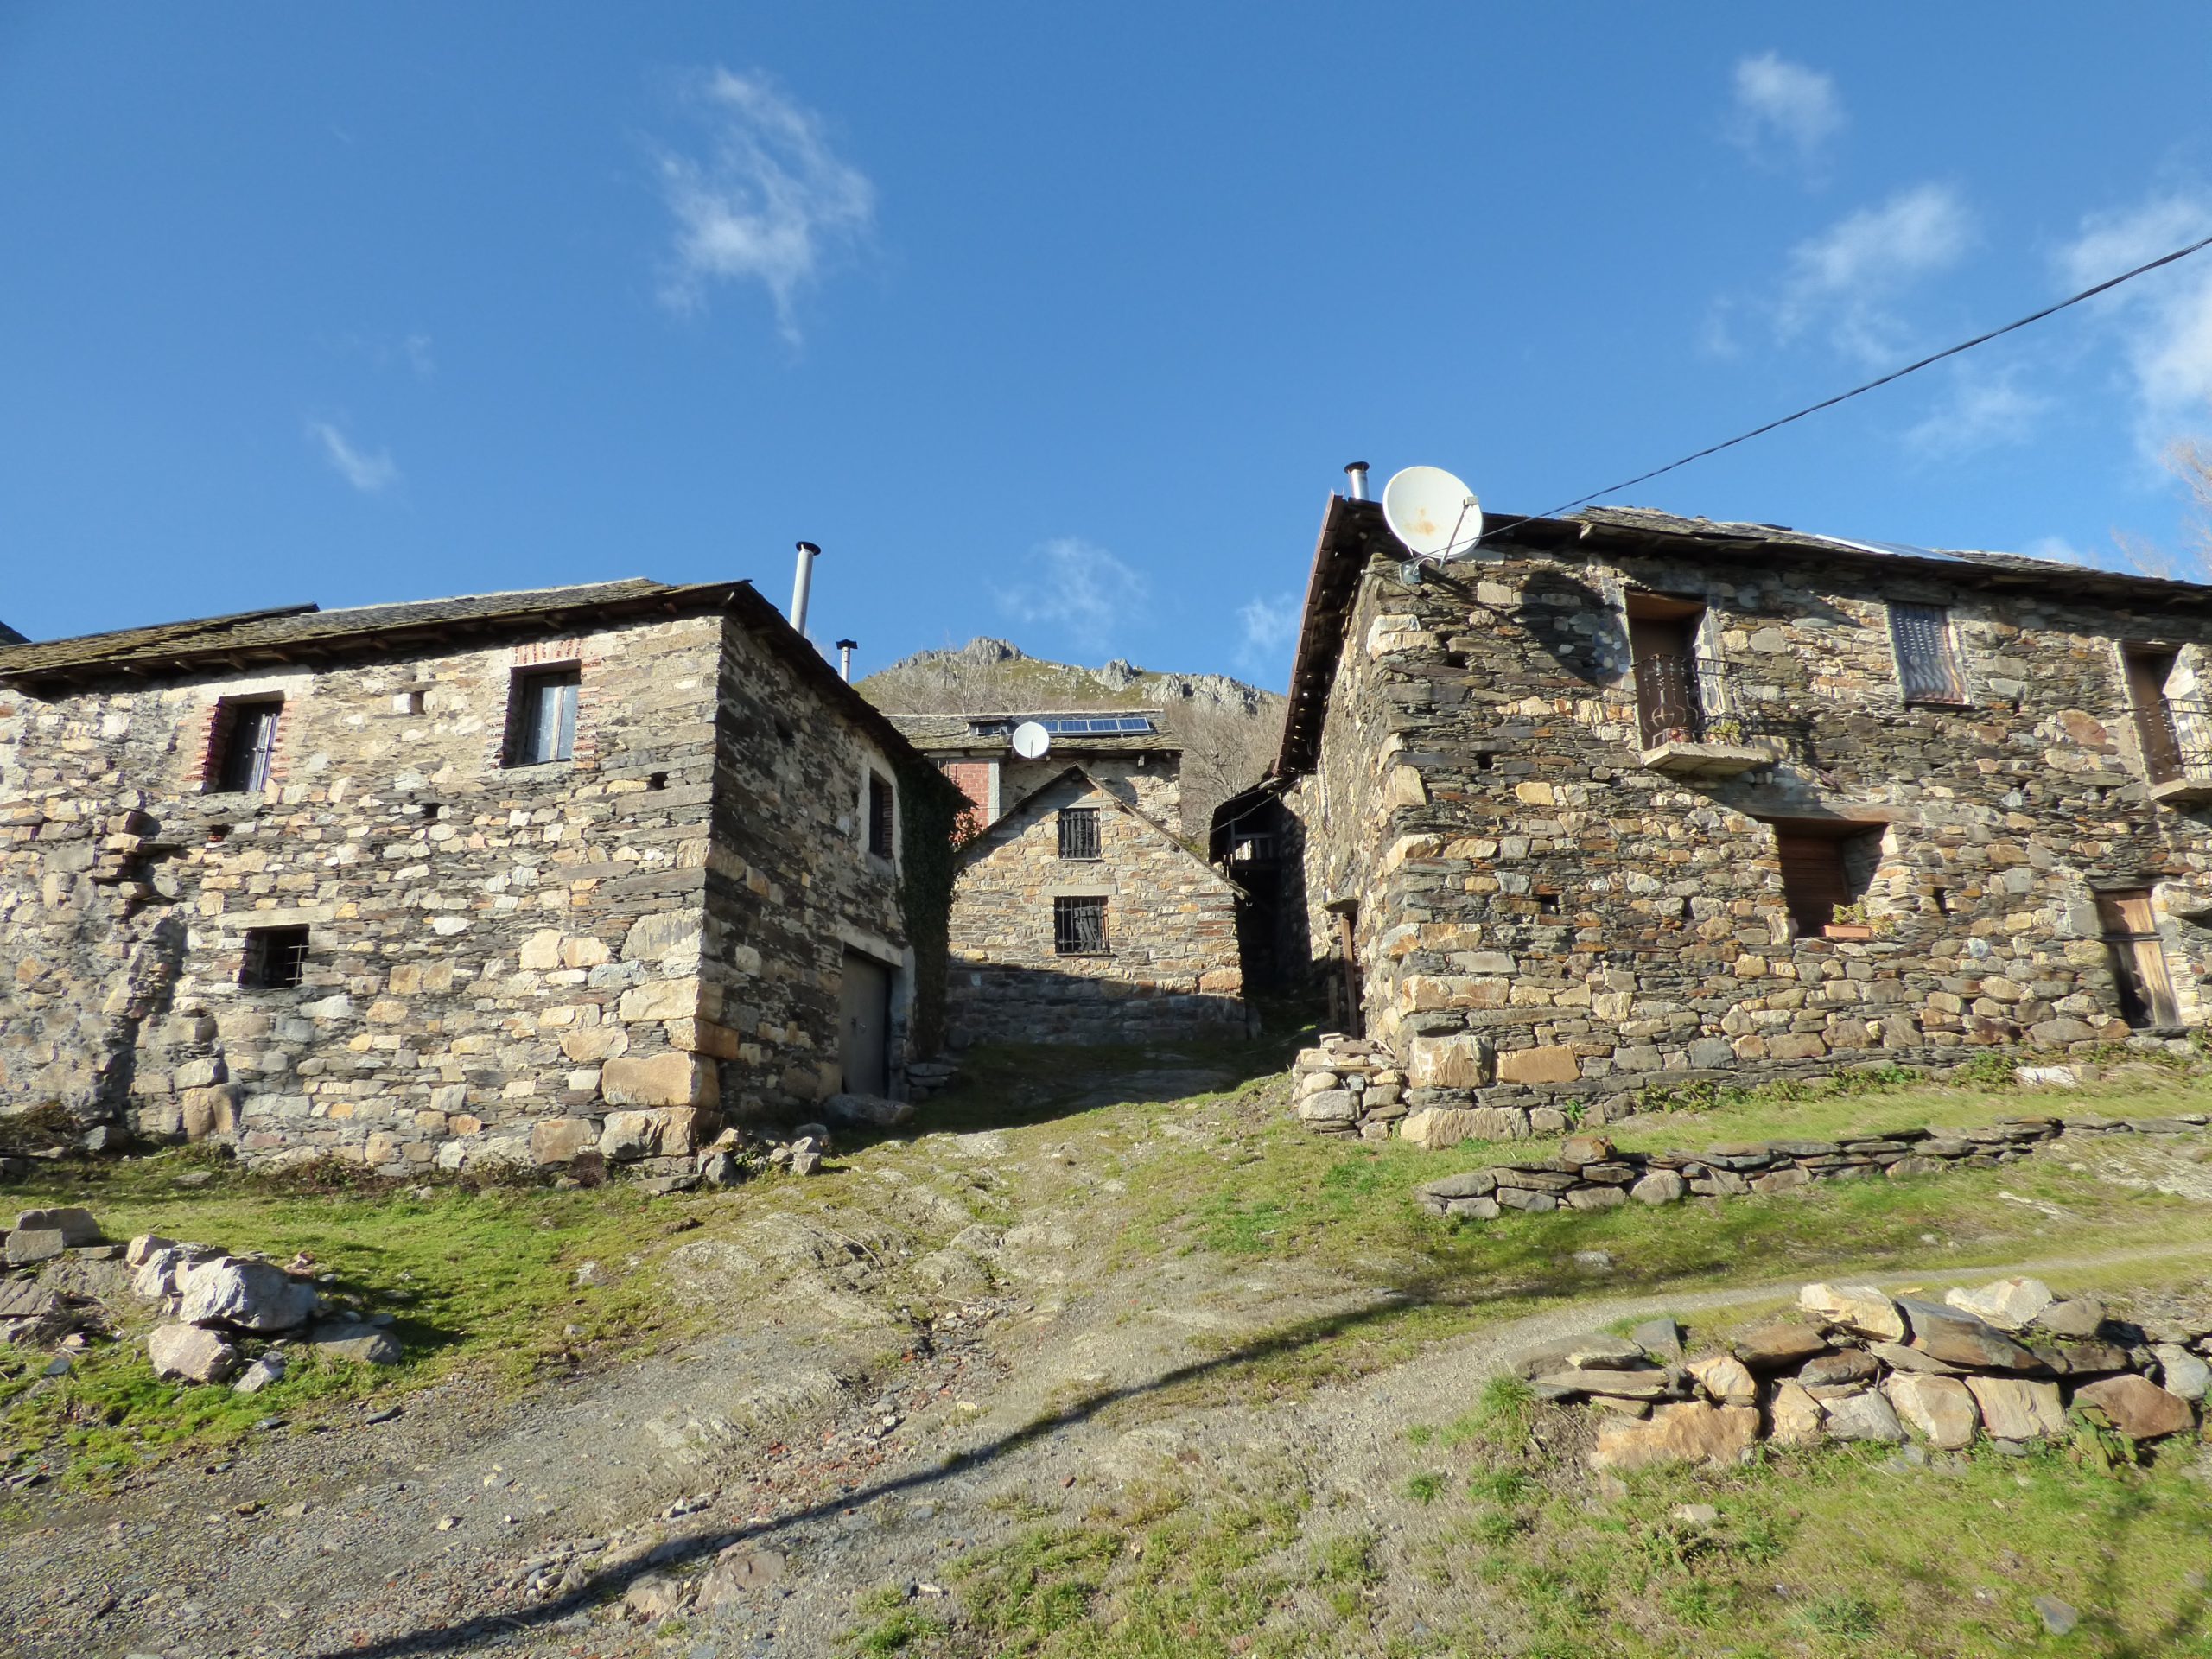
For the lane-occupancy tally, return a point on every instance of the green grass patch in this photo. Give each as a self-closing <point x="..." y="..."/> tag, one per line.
<point x="479" y="1282"/>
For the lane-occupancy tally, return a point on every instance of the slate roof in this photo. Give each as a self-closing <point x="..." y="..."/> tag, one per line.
<point x="306" y="634"/>
<point x="1354" y="532"/>
<point x="942" y="734"/>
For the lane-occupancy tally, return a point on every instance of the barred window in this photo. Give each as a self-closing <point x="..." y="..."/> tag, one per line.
<point x="1079" y="832"/>
<point x="1928" y="662"/>
<point x="880" y="814"/>
<point x="542" y="717"/>
<point x="275" y="958"/>
<point x="1079" y="927"/>
<point x="245" y="743"/>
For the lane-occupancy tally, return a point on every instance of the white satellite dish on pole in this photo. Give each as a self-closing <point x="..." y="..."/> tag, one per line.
<point x="1434" y="514"/>
<point x="1031" y="740"/>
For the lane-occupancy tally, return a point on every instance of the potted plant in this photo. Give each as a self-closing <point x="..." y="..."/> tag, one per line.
<point x="1850" y="922"/>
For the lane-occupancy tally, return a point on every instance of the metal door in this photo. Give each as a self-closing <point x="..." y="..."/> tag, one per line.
<point x="864" y="1026"/>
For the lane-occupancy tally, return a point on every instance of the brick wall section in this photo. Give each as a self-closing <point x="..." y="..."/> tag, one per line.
<point x="1482" y="747"/>
<point x="1170" y="922"/>
<point x="504" y="961"/>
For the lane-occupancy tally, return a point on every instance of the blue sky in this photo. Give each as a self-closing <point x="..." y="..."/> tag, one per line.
<point x="1056" y="323"/>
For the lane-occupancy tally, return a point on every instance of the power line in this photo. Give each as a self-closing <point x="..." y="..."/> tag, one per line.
<point x="1894" y="374"/>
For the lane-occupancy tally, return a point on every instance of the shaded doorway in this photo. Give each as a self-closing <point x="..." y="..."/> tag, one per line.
<point x="864" y="1026"/>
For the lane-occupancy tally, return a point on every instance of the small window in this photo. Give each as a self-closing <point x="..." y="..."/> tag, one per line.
<point x="542" y="717"/>
<point x="275" y="958"/>
<point x="1079" y="832"/>
<point x="243" y="744"/>
<point x="1079" y="927"/>
<point x="881" y="813"/>
<point x="1928" y="661"/>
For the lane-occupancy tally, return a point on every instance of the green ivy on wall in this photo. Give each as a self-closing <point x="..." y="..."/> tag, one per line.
<point x="927" y="849"/>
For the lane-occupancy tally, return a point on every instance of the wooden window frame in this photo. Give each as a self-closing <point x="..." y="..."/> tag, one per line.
<point x="880" y="801"/>
<point x="524" y="703"/>
<point x="224" y="774"/>
<point x="2129" y="926"/>
<point x="1955" y="694"/>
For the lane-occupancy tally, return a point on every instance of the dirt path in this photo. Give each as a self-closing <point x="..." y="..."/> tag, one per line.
<point x="976" y="1450"/>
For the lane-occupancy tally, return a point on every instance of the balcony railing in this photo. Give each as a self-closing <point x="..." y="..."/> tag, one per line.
<point x="1684" y="699"/>
<point x="2176" y="736"/>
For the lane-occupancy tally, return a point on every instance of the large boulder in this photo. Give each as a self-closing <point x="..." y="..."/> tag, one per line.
<point x="76" y="1226"/>
<point x="2137" y="1406"/>
<point x="251" y="1295"/>
<point x="1865" y="1415"/>
<point x="163" y="1265"/>
<point x="1659" y="1187"/>
<point x="1942" y="1408"/>
<point x="2010" y="1304"/>
<point x="187" y="1351"/>
<point x="1778" y="1346"/>
<point x="1719" y="1436"/>
<point x="1958" y="1337"/>
<point x="27" y="1246"/>
<point x="2013" y="1409"/>
<point x="350" y="1340"/>
<point x="1854" y="1307"/>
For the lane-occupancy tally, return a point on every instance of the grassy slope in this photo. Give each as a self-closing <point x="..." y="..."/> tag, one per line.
<point x="1830" y="1553"/>
<point x="481" y="1284"/>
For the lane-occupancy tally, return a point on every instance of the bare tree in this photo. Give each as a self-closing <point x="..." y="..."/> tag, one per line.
<point x="2191" y="462"/>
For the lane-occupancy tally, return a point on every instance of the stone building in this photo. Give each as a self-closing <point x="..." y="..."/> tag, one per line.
<point x="1078" y="916"/>
<point x="1635" y="798"/>
<point x="499" y="878"/>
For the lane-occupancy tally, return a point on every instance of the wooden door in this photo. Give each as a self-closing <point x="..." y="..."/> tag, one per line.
<point x="864" y="1027"/>
<point x="2146" y="993"/>
<point x="1814" y="879"/>
<point x="1345" y="989"/>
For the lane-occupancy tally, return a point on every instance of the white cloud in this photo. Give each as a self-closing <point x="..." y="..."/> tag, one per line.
<point x="1980" y="411"/>
<point x="1268" y="626"/>
<point x="1776" y="100"/>
<point x="366" y="472"/>
<point x="769" y="203"/>
<point x="417" y="350"/>
<point x="1844" y="279"/>
<point x="2164" y="319"/>
<point x="1078" y="587"/>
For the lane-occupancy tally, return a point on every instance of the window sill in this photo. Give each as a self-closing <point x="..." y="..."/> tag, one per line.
<point x="1686" y="760"/>
<point x="1087" y="956"/>
<point x="536" y="766"/>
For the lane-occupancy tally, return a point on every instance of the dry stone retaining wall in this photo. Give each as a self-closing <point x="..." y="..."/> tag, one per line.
<point x="2007" y="1363"/>
<point x="1591" y="1173"/>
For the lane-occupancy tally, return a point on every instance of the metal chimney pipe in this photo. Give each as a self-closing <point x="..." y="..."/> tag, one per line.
<point x="1355" y="480"/>
<point x="845" y="650"/>
<point x="803" y="580"/>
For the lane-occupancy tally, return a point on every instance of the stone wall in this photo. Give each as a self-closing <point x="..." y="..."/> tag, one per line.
<point x="1541" y="914"/>
<point x="1590" y="1173"/>
<point x="1171" y="928"/>
<point x="505" y="963"/>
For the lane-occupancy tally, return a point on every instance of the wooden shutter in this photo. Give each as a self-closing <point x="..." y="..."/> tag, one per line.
<point x="2139" y="961"/>
<point x="1813" y="878"/>
<point x="1928" y="664"/>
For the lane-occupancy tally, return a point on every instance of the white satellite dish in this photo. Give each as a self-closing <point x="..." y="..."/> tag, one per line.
<point x="1434" y="514"/>
<point x="1031" y="740"/>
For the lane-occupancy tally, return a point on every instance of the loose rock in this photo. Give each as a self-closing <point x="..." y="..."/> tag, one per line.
<point x="187" y="1351"/>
